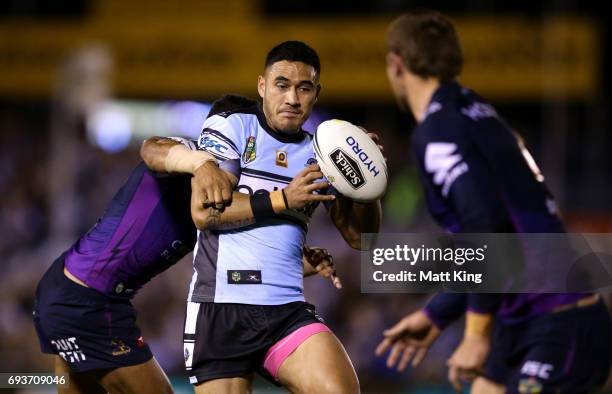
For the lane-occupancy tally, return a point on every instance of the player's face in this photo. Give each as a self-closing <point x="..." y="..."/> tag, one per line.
<point x="289" y="91"/>
<point x="396" y="80"/>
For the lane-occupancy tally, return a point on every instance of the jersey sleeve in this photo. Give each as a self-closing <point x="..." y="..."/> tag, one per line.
<point x="221" y="137"/>
<point x="190" y="144"/>
<point x="445" y="308"/>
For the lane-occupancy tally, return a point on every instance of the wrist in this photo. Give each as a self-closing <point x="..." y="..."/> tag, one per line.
<point x="265" y="205"/>
<point x="478" y="325"/>
<point x="182" y="159"/>
<point x="279" y="201"/>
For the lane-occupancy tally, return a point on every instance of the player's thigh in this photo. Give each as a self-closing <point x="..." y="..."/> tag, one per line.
<point x="78" y="383"/>
<point x="237" y="385"/>
<point x="319" y="365"/>
<point x="485" y="386"/>
<point x="144" y="378"/>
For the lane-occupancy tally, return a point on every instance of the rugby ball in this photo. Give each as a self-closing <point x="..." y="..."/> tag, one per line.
<point x="350" y="160"/>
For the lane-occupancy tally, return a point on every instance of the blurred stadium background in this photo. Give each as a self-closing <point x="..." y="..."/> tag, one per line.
<point x="83" y="82"/>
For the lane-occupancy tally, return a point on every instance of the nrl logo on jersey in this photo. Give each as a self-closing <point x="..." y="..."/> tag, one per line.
<point x="236" y="276"/>
<point x="250" y="150"/>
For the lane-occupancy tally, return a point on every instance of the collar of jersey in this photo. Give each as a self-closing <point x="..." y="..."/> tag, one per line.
<point x="297" y="137"/>
<point x="444" y="90"/>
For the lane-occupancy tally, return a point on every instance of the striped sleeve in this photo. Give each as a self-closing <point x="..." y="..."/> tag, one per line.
<point x="221" y="137"/>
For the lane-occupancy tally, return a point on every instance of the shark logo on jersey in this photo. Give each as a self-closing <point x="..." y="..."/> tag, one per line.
<point x="250" y="150"/>
<point x="444" y="163"/>
<point x="349" y="169"/>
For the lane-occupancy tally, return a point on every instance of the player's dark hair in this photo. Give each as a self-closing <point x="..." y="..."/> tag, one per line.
<point x="230" y="102"/>
<point x="294" y="51"/>
<point x="427" y="43"/>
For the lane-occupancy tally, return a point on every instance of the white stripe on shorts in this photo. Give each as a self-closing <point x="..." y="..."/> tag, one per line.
<point x="192" y="317"/>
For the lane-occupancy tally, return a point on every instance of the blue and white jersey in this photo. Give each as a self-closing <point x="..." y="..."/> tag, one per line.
<point x="260" y="264"/>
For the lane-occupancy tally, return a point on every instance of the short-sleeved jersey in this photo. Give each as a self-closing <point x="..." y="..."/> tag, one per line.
<point x="146" y="228"/>
<point x="479" y="178"/>
<point x="261" y="263"/>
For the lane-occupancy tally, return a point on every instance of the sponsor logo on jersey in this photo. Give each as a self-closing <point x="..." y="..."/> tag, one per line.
<point x="537" y="369"/>
<point x="362" y="156"/>
<point x="250" y="150"/>
<point x="68" y="349"/>
<point x="444" y="163"/>
<point x="119" y="348"/>
<point x="477" y="111"/>
<point x="349" y="169"/>
<point x="282" y="159"/>
<point x="209" y="143"/>
<point x="244" y="277"/>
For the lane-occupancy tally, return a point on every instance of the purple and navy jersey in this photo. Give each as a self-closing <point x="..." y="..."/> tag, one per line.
<point x="479" y="178"/>
<point x="146" y="229"/>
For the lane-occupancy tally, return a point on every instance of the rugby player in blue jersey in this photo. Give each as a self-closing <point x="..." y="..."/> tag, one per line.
<point x="246" y="312"/>
<point x="82" y="308"/>
<point x="478" y="178"/>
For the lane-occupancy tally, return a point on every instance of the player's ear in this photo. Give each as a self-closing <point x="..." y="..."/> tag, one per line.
<point x="261" y="86"/>
<point x="395" y="64"/>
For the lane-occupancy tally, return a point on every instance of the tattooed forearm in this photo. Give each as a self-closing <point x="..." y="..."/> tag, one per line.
<point x="214" y="221"/>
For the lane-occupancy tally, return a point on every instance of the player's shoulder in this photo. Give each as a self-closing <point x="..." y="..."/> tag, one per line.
<point x="453" y="111"/>
<point x="230" y="104"/>
<point x="238" y="113"/>
<point x="440" y="123"/>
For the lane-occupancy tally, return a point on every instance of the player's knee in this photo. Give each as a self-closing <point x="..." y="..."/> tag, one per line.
<point x="337" y="384"/>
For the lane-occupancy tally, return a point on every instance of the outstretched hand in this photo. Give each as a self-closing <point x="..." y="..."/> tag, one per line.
<point x="409" y="340"/>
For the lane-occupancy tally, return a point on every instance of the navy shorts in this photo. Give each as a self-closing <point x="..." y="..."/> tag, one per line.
<point x="231" y="340"/>
<point x="564" y="352"/>
<point x="85" y="327"/>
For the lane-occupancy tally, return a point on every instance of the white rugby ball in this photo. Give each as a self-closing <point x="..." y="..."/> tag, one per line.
<point x="350" y="160"/>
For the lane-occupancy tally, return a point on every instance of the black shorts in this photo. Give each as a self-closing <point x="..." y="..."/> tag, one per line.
<point x="86" y="328"/>
<point x="231" y="340"/>
<point x="565" y="352"/>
